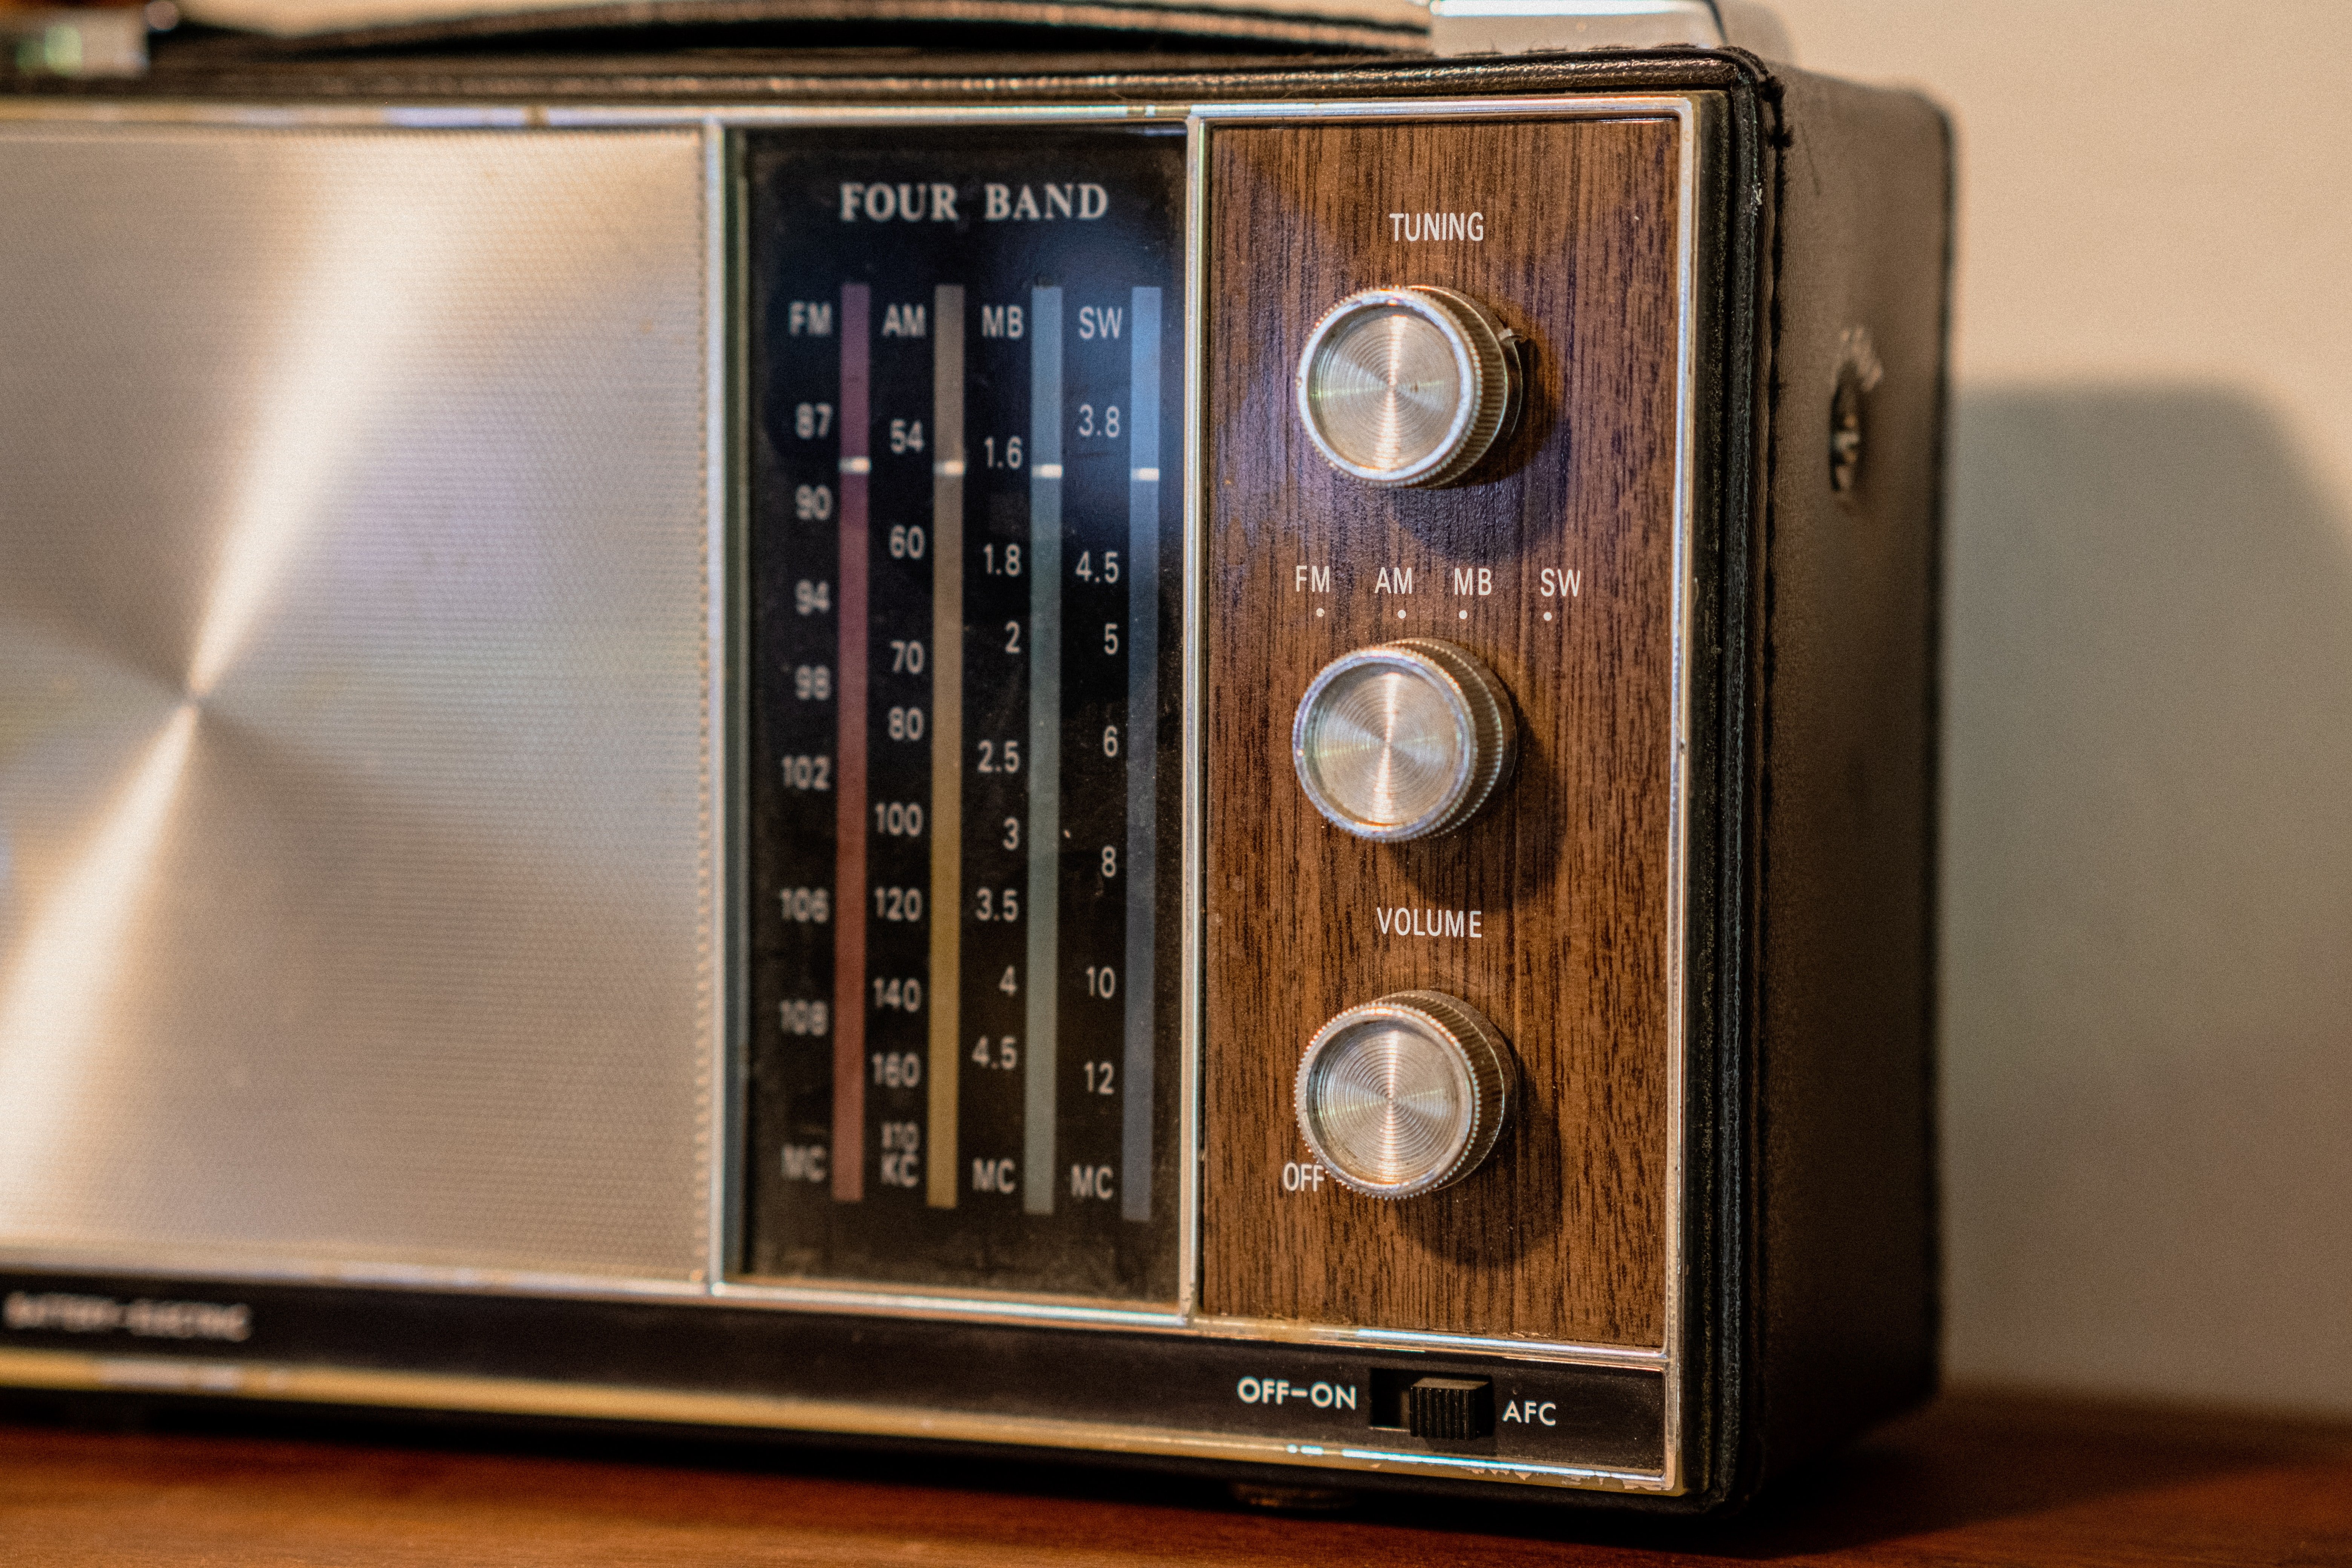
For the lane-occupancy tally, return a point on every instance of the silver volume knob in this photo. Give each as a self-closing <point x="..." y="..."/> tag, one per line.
<point x="1407" y="386"/>
<point x="1405" y="1094"/>
<point x="1402" y="740"/>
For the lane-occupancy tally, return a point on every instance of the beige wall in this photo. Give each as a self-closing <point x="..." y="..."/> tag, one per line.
<point x="2147" y="903"/>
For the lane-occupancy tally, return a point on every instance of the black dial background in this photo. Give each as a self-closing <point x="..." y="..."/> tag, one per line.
<point x="798" y="248"/>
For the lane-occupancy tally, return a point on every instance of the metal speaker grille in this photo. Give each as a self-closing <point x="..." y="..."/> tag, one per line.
<point x="354" y="802"/>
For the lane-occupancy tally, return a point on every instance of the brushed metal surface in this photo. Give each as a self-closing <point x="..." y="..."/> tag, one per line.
<point x="1405" y="1095"/>
<point x="353" y="793"/>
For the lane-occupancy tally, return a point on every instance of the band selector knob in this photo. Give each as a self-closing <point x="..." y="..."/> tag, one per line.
<point x="1408" y="386"/>
<point x="1405" y="1095"/>
<point x="1402" y="740"/>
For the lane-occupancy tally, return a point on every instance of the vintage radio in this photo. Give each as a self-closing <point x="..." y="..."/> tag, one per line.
<point x="1206" y="743"/>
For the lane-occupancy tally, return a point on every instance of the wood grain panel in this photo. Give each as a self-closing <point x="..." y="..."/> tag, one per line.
<point x="1562" y="1234"/>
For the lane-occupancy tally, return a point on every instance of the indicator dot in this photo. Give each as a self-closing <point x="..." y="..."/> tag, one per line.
<point x="1318" y="616"/>
<point x="1547" y="615"/>
<point x="1400" y="615"/>
<point x="1465" y="615"/>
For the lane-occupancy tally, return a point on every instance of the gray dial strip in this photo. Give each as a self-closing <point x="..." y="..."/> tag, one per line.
<point x="1142" y="745"/>
<point x="1043" y="764"/>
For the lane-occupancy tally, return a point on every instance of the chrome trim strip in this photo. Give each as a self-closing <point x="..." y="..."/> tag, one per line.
<point x="1595" y="106"/>
<point x="1678" y="773"/>
<point x="750" y="115"/>
<point x="67" y="1370"/>
<point x="854" y="1300"/>
<point x="262" y="1269"/>
<point x="520" y="116"/>
<point x="716" y="1125"/>
<point x="1415" y="1341"/>
<point x="734" y="687"/>
<point x="1078" y="1312"/>
<point x="1191" y="1149"/>
<point x="754" y="116"/>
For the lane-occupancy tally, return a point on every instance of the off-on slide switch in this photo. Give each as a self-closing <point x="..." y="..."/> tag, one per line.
<point x="1450" y="1409"/>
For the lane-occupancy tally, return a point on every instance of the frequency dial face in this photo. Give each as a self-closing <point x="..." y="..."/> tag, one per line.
<point x="963" y="927"/>
<point x="1405" y="1094"/>
<point x="1402" y="740"/>
<point x="1408" y="386"/>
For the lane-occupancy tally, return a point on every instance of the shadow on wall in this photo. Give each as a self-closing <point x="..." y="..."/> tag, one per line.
<point x="2148" y="899"/>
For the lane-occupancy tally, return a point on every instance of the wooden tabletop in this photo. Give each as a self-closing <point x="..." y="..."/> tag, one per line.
<point x="1980" y="1478"/>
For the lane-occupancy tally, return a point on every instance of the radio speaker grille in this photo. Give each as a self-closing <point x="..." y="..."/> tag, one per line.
<point x="355" y="802"/>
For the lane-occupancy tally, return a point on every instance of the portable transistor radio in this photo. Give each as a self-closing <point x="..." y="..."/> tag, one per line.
<point x="1204" y="739"/>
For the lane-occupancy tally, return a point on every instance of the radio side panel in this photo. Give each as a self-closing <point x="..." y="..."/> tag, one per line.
<point x="1842" y="1240"/>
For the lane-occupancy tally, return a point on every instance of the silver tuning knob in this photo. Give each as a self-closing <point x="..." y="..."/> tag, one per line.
<point x="1405" y="1094"/>
<point x="1408" y="386"/>
<point x="1402" y="740"/>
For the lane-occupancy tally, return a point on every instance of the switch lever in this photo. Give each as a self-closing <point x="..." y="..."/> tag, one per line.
<point x="1450" y="1409"/>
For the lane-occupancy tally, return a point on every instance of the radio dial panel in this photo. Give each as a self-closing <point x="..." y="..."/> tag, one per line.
<point x="964" y="532"/>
